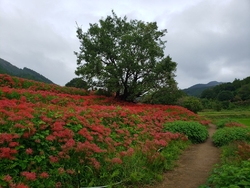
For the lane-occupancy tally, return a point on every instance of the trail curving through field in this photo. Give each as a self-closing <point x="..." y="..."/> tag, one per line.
<point x="194" y="165"/>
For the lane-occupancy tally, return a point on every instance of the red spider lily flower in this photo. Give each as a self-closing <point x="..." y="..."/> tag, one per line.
<point x="130" y="151"/>
<point x="51" y="137"/>
<point x="58" y="126"/>
<point x="29" y="151"/>
<point x="7" y="178"/>
<point x="70" y="143"/>
<point x="53" y="159"/>
<point x="44" y="175"/>
<point x="87" y="146"/>
<point x="61" y="170"/>
<point x="29" y="175"/>
<point x="13" y="144"/>
<point x="18" y="125"/>
<point x="21" y="185"/>
<point x="116" y="160"/>
<point x="29" y="133"/>
<point x="70" y="171"/>
<point x="58" y="184"/>
<point x="7" y="137"/>
<point x="7" y="153"/>
<point x="85" y="133"/>
<point x="95" y="163"/>
<point x="65" y="133"/>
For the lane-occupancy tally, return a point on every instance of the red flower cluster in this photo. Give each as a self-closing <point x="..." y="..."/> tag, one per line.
<point x="51" y="128"/>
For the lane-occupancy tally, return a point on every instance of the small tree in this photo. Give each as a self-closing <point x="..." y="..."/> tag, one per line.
<point x="244" y="92"/>
<point x="191" y="103"/>
<point x="208" y="94"/>
<point x="124" y="57"/>
<point x="78" y="83"/>
<point x="225" y="96"/>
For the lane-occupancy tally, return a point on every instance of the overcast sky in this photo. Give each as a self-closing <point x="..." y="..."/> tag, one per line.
<point x="209" y="39"/>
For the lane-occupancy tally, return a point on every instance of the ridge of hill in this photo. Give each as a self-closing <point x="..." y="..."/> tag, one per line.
<point x="197" y="89"/>
<point x="7" y="68"/>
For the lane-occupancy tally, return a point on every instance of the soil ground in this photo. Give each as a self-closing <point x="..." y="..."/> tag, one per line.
<point x="193" y="166"/>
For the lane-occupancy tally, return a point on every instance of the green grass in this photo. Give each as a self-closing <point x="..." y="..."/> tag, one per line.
<point x="245" y="121"/>
<point x="239" y="114"/>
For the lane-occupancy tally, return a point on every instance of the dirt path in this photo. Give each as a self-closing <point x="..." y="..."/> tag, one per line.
<point x="193" y="167"/>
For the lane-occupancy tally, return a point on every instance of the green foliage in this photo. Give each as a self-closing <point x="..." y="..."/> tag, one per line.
<point x="124" y="57"/>
<point x="237" y="92"/>
<point x="208" y="103"/>
<point x="195" y="132"/>
<point x="225" y="96"/>
<point x="244" y="92"/>
<point x="208" y="94"/>
<point x="103" y="92"/>
<point x="245" y="121"/>
<point x="191" y="103"/>
<point x="78" y="83"/>
<point x="231" y="176"/>
<point x="163" y="96"/>
<point x="140" y="169"/>
<point x="233" y="170"/>
<point x="222" y="122"/>
<point x="227" y="135"/>
<point x="229" y="153"/>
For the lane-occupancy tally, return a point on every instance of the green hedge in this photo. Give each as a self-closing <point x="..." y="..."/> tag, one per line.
<point x="195" y="132"/>
<point x="229" y="175"/>
<point x="227" y="135"/>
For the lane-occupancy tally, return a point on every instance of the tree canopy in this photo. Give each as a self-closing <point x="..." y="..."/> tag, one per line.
<point x="235" y="91"/>
<point x="124" y="57"/>
<point x="78" y="83"/>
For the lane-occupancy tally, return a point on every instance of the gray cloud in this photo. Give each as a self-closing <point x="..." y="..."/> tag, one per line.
<point x="210" y="40"/>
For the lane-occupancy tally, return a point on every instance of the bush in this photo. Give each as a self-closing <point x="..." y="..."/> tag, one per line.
<point x="229" y="175"/>
<point x="222" y="122"/>
<point x="234" y="168"/>
<point x="228" y="123"/>
<point x="227" y="135"/>
<point x="191" y="103"/>
<point x="195" y="132"/>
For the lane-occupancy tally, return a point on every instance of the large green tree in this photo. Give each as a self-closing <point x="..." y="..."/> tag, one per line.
<point x="125" y="57"/>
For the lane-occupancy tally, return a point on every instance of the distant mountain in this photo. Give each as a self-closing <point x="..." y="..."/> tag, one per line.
<point x="8" y="68"/>
<point x="197" y="89"/>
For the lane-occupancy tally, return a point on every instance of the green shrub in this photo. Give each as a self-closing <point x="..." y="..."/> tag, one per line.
<point x="191" y="103"/>
<point x="222" y="122"/>
<point x="233" y="170"/>
<point x="227" y="135"/>
<point x="195" y="132"/>
<point x="229" y="175"/>
<point x="229" y="154"/>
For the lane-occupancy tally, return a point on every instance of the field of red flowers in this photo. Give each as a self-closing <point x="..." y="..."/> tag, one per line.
<point x="52" y="136"/>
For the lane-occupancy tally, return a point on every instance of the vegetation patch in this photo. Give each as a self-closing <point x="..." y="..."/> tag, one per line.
<point x="228" y="123"/>
<point x="233" y="171"/>
<point x="227" y="135"/>
<point x="52" y="136"/>
<point x="195" y="132"/>
<point x="245" y="121"/>
<point x="229" y="175"/>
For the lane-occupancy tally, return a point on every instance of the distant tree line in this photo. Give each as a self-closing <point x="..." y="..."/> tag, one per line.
<point x="228" y="94"/>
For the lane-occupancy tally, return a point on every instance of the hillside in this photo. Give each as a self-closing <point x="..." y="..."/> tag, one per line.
<point x="53" y="137"/>
<point x="197" y="89"/>
<point x="8" y="68"/>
